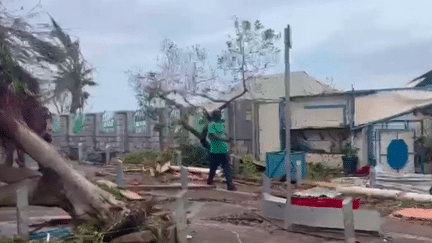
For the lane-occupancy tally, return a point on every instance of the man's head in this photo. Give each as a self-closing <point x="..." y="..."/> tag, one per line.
<point x="216" y="115"/>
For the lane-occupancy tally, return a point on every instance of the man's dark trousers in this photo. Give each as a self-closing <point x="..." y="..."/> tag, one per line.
<point x="222" y="160"/>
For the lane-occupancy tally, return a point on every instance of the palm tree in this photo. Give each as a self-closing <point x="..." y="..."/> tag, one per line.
<point x="74" y="73"/>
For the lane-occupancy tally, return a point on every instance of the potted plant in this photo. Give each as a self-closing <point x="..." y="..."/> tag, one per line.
<point x="350" y="159"/>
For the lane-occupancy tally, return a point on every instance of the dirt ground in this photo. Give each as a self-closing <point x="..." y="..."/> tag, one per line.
<point x="218" y="215"/>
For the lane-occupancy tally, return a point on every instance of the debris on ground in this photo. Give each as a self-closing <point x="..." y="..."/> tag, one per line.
<point x="318" y="192"/>
<point x="351" y="181"/>
<point x="195" y="170"/>
<point x="131" y="195"/>
<point x="408" y="182"/>
<point x="166" y="167"/>
<point x="414" y="213"/>
<point x="363" y="171"/>
<point x="107" y="183"/>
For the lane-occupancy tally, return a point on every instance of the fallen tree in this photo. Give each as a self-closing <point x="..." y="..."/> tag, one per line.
<point x="59" y="184"/>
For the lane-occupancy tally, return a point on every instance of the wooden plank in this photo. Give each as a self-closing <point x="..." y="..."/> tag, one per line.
<point x="364" y="220"/>
<point x="131" y="195"/>
<point x="172" y="186"/>
<point x="195" y="170"/>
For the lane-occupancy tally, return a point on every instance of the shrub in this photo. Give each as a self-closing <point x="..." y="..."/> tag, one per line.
<point x="148" y="157"/>
<point x="248" y="168"/>
<point x="194" y="155"/>
<point x="319" y="171"/>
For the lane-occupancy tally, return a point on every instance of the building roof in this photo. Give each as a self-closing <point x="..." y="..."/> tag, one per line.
<point x="271" y="87"/>
<point x="387" y="105"/>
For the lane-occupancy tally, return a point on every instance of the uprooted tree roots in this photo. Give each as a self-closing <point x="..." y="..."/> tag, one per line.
<point x="60" y="185"/>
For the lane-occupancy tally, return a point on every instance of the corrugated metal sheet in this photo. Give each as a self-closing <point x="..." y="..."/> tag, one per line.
<point x="271" y="87"/>
<point x="388" y="104"/>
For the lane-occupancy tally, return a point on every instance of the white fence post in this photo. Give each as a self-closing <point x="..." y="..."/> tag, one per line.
<point x="107" y="154"/>
<point x="181" y="217"/>
<point x="119" y="172"/>
<point x="299" y="172"/>
<point x="372" y="177"/>
<point x="348" y="217"/>
<point x="80" y="152"/>
<point x="23" y="216"/>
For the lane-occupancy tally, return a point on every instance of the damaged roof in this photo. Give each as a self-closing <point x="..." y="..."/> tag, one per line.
<point x="271" y="87"/>
<point x="386" y="105"/>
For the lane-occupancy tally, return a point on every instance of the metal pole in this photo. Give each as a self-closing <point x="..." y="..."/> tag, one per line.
<point x="234" y="126"/>
<point x="287" y="222"/>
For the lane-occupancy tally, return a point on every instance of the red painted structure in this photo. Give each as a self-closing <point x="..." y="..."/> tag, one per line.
<point x="322" y="202"/>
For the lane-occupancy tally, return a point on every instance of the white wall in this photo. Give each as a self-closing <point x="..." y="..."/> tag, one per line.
<point x="315" y="116"/>
<point x="269" y="133"/>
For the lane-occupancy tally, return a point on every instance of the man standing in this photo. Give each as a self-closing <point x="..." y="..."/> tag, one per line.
<point x="219" y="150"/>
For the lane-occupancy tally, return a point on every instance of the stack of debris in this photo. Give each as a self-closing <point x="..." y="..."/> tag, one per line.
<point x="195" y="173"/>
<point x="407" y="182"/>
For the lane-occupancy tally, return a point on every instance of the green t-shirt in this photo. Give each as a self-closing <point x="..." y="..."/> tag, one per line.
<point x="217" y="146"/>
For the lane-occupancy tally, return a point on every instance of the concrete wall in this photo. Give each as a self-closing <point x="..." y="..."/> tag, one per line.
<point x="127" y="133"/>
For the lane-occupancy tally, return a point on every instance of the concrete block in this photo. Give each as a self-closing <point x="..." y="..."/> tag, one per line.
<point x="365" y="220"/>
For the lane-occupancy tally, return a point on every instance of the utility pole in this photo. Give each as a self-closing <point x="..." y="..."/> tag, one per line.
<point x="287" y="119"/>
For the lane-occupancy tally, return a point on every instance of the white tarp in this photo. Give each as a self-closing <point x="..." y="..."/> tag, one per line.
<point x="387" y="104"/>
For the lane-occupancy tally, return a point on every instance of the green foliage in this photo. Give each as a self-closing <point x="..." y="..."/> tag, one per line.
<point x="416" y="204"/>
<point x="74" y="72"/>
<point x="350" y="150"/>
<point x="11" y="70"/>
<point x="250" y="51"/>
<point x="426" y="142"/>
<point x="248" y="169"/>
<point x="319" y="171"/>
<point x="194" y="155"/>
<point x="12" y="240"/>
<point x="148" y="157"/>
<point x="114" y="191"/>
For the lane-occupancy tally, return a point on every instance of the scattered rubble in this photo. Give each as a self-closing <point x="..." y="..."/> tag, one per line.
<point x="318" y="192"/>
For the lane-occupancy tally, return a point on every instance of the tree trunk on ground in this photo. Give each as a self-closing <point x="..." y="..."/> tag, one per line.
<point x="60" y="185"/>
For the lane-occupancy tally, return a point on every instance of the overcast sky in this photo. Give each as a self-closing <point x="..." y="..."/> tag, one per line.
<point x="371" y="44"/>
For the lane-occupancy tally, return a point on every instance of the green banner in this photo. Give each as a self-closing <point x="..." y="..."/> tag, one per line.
<point x="108" y="124"/>
<point x="77" y="121"/>
<point x="139" y="122"/>
<point x="55" y="123"/>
